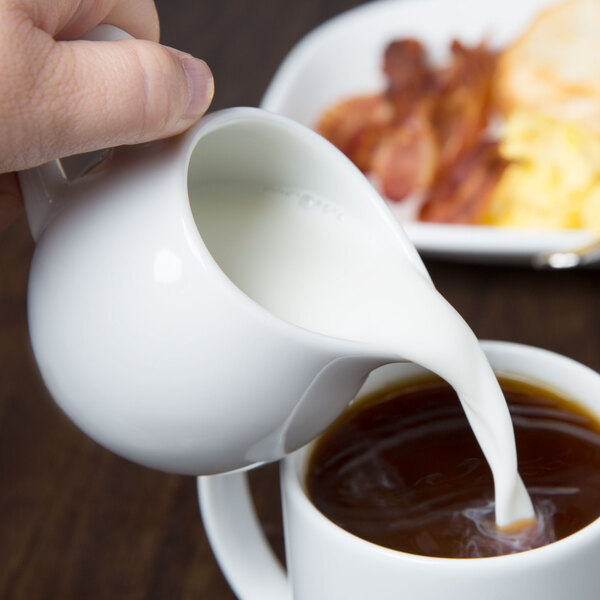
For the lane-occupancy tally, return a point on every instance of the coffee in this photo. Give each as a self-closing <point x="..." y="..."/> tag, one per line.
<point x="402" y="469"/>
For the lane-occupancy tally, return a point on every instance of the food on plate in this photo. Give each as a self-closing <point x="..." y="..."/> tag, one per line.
<point x="508" y="137"/>
<point x="553" y="176"/>
<point x="463" y="195"/>
<point x="554" y="67"/>
<point x="409" y="137"/>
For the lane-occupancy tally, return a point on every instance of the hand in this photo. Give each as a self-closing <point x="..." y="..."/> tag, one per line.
<point x="60" y="95"/>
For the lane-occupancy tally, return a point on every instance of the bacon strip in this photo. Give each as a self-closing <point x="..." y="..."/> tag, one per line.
<point x="356" y="127"/>
<point x="405" y="161"/>
<point x="461" y="111"/>
<point x="406" y="69"/>
<point x="424" y="133"/>
<point x="464" y="194"/>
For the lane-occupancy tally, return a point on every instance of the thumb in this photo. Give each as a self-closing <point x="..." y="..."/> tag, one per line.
<point x="91" y="95"/>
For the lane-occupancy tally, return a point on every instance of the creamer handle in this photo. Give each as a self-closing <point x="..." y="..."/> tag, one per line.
<point x="238" y="541"/>
<point x="43" y="188"/>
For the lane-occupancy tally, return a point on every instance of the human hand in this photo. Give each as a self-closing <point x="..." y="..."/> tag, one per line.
<point x="60" y="95"/>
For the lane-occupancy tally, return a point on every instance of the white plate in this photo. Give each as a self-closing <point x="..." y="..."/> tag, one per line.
<point x="343" y="56"/>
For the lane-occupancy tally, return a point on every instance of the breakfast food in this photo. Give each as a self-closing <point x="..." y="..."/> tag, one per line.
<point x="509" y="138"/>
<point x="553" y="177"/>
<point x="547" y="84"/>
<point x="554" y="67"/>
<point x="424" y="128"/>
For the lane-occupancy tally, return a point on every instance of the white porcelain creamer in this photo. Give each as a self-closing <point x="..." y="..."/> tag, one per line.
<point x="140" y="336"/>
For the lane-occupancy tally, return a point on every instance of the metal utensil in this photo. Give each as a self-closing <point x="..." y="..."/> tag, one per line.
<point x="568" y="259"/>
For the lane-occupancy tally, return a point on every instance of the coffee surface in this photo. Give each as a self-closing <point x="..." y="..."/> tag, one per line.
<point x="402" y="469"/>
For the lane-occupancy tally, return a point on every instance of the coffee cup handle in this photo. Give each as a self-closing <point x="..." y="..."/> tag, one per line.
<point x="237" y="539"/>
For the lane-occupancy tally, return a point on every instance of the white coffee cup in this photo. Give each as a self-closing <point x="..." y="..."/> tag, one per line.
<point x="324" y="562"/>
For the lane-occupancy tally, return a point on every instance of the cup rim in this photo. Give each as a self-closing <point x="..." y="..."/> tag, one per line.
<point x="293" y="470"/>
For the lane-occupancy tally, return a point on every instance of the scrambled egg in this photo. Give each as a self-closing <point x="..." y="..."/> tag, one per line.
<point x="553" y="179"/>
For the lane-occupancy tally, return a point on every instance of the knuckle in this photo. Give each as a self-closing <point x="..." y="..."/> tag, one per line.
<point x="21" y="102"/>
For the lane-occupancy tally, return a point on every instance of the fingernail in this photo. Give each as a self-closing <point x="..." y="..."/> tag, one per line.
<point x="200" y="86"/>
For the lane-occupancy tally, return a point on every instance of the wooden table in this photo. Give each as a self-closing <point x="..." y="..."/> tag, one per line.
<point x="76" y="521"/>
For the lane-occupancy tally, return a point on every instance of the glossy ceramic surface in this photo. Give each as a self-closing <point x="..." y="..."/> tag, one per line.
<point x="141" y="338"/>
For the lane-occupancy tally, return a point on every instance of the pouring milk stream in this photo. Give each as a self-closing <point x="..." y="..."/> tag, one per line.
<point x="309" y="262"/>
<point x="210" y="333"/>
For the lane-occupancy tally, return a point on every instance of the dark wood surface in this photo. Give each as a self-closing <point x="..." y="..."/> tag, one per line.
<point x="77" y="522"/>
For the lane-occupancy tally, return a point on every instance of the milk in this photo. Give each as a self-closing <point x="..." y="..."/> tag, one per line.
<point x="309" y="262"/>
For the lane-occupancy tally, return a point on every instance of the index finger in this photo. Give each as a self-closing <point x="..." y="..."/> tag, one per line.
<point x="71" y="19"/>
